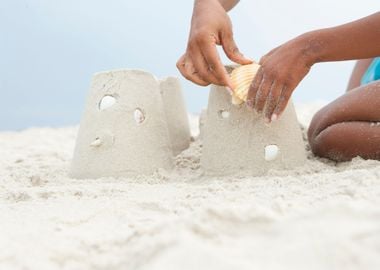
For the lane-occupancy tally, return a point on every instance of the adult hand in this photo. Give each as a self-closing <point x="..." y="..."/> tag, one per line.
<point x="210" y="26"/>
<point x="282" y="69"/>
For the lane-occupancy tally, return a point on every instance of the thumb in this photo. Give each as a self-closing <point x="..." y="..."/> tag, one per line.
<point x="232" y="51"/>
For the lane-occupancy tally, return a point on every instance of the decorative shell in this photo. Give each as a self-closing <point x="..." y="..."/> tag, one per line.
<point x="241" y="80"/>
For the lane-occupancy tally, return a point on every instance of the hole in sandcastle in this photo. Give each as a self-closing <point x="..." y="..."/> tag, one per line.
<point x="139" y="116"/>
<point x="271" y="152"/>
<point x="223" y="114"/>
<point x="106" y="102"/>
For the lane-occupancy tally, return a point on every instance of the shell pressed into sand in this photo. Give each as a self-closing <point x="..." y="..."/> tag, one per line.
<point x="241" y="80"/>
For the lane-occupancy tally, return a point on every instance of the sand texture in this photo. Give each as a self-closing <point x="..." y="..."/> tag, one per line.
<point x="319" y="216"/>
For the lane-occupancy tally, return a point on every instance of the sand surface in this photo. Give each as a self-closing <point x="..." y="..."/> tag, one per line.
<point x="321" y="216"/>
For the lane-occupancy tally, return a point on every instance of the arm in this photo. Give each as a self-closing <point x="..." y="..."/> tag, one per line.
<point x="283" y="68"/>
<point x="356" y="40"/>
<point x="210" y="26"/>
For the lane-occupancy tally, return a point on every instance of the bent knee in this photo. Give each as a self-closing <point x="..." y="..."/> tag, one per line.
<point x="346" y="140"/>
<point x="329" y="143"/>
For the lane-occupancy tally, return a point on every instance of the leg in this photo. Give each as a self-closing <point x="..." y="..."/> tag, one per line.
<point x="348" y="127"/>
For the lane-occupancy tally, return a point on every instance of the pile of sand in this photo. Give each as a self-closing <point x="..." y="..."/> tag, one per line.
<point x="321" y="216"/>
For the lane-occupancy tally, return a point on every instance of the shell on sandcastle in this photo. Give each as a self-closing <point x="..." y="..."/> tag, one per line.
<point x="133" y="124"/>
<point x="241" y="78"/>
<point x="236" y="139"/>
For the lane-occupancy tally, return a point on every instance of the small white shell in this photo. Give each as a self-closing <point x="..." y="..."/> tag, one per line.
<point x="224" y="114"/>
<point x="106" y="102"/>
<point x="271" y="152"/>
<point x="139" y="116"/>
<point x="96" y="143"/>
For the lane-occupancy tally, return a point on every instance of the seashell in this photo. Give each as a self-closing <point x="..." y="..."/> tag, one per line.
<point x="271" y="152"/>
<point x="241" y="80"/>
<point x="96" y="143"/>
<point x="139" y="116"/>
<point x="106" y="102"/>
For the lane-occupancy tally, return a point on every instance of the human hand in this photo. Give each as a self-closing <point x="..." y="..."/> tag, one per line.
<point x="210" y="26"/>
<point x="282" y="69"/>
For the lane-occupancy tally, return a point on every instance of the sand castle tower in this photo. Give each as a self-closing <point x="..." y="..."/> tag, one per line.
<point x="236" y="140"/>
<point x="176" y="114"/>
<point x="130" y="125"/>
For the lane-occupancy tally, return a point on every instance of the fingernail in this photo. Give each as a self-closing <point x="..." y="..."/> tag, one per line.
<point x="274" y="117"/>
<point x="267" y="120"/>
<point x="229" y="90"/>
<point x="250" y="103"/>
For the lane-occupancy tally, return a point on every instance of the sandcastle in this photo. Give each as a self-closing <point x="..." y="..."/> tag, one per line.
<point x="236" y="140"/>
<point x="133" y="124"/>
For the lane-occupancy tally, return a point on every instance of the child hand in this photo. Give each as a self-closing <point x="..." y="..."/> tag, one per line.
<point x="282" y="69"/>
<point x="210" y="26"/>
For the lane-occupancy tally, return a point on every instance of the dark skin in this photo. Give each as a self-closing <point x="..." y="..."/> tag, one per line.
<point x="351" y="116"/>
<point x="348" y="126"/>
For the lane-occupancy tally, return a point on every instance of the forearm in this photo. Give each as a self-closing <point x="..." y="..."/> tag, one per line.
<point x="226" y="4"/>
<point x="356" y="40"/>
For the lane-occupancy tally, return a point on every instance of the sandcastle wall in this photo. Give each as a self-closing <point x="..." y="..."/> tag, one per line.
<point x="236" y="139"/>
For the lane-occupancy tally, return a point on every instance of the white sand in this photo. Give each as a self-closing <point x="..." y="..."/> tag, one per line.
<point x="321" y="216"/>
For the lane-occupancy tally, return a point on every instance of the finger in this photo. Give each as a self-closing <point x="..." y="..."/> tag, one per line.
<point x="187" y="70"/>
<point x="195" y="78"/>
<point x="282" y="103"/>
<point x="272" y="100"/>
<point x="202" y="67"/>
<point x="254" y="87"/>
<point x="266" y="57"/>
<point x="262" y="93"/>
<point x="232" y="51"/>
<point x="215" y="67"/>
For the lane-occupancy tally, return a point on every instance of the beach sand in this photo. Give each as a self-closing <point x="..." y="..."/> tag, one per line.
<point x="320" y="216"/>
